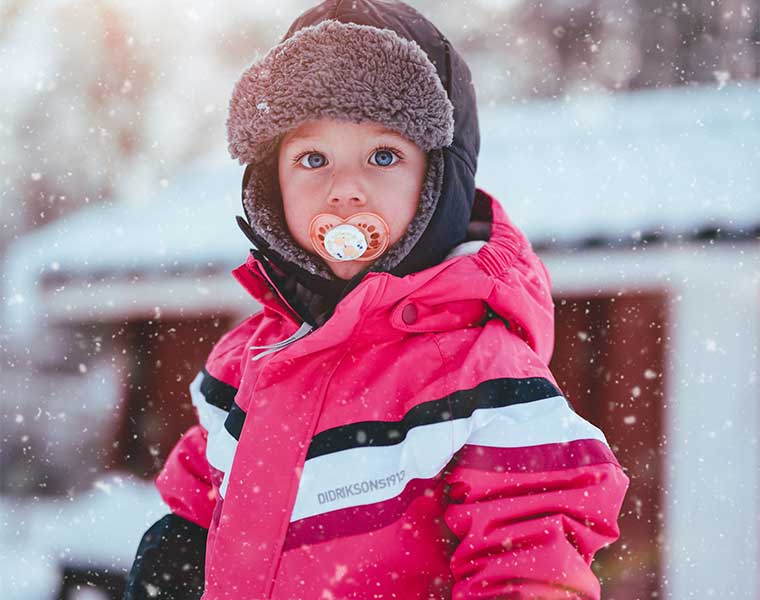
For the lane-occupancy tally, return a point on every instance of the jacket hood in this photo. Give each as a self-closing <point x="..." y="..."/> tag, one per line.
<point x="434" y="104"/>
<point x="501" y="276"/>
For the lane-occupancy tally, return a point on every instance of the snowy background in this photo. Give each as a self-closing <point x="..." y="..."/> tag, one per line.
<point x="605" y="123"/>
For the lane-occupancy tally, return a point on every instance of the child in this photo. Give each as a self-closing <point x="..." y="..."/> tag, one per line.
<point x="386" y="426"/>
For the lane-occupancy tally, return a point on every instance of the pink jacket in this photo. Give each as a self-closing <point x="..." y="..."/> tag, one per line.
<point x="414" y="446"/>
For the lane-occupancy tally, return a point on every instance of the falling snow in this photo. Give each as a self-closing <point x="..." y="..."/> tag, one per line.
<point x="622" y="138"/>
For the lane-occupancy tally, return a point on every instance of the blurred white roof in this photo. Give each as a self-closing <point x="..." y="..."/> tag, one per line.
<point x="670" y="161"/>
<point x="674" y="161"/>
<point x="189" y="222"/>
<point x="188" y="227"/>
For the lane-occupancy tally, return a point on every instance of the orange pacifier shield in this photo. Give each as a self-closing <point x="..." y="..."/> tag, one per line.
<point x="363" y="236"/>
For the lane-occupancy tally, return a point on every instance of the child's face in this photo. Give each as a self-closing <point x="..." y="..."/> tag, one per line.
<point x="343" y="168"/>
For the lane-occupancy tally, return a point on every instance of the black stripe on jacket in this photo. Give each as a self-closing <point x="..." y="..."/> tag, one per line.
<point x="222" y="395"/>
<point x="234" y="422"/>
<point x="494" y="393"/>
<point x="216" y="392"/>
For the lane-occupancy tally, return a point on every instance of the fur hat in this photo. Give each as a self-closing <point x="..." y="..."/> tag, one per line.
<point x="364" y="60"/>
<point x="341" y="71"/>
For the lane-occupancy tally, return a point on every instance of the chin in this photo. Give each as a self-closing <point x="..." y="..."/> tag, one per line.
<point x="346" y="270"/>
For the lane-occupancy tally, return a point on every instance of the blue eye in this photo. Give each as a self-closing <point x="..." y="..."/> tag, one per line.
<point x="384" y="157"/>
<point x="314" y="160"/>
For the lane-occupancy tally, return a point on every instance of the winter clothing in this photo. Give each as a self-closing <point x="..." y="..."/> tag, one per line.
<point x="416" y="445"/>
<point x="398" y="435"/>
<point x="375" y="70"/>
<point x="363" y="60"/>
<point x="170" y="559"/>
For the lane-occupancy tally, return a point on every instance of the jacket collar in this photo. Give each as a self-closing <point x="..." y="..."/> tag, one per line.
<point x="503" y="275"/>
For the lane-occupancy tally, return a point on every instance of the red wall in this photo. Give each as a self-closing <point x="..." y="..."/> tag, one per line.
<point x="166" y="356"/>
<point x="609" y="360"/>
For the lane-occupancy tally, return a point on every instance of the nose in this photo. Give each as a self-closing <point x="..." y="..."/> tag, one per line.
<point x="346" y="200"/>
<point x="346" y="194"/>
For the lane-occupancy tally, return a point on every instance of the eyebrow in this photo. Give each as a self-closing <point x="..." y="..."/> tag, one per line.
<point x="381" y="130"/>
<point x="299" y="138"/>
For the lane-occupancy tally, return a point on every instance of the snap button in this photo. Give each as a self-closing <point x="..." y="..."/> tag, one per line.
<point x="409" y="314"/>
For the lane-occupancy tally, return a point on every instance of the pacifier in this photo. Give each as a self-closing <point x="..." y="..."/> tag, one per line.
<point x="363" y="236"/>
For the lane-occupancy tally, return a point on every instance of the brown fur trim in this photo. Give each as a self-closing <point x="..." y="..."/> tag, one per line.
<point x="263" y="205"/>
<point x="340" y="71"/>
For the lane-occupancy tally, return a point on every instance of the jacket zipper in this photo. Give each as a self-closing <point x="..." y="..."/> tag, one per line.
<point x="303" y="331"/>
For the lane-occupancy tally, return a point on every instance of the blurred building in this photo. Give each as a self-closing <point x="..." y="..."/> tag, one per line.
<point x="644" y="208"/>
<point x="622" y="137"/>
<point x="106" y="98"/>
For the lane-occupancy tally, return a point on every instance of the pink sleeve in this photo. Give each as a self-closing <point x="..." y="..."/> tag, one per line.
<point x="530" y="519"/>
<point x="187" y="482"/>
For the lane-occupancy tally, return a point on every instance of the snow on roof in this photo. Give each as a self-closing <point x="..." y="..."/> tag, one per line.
<point x="190" y="221"/>
<point x="670" y="161"/>
<point x="626" y="165"/>
<point x="188" y="226"/>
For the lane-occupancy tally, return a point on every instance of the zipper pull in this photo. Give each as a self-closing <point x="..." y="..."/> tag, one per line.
<point x="303" y="331"/>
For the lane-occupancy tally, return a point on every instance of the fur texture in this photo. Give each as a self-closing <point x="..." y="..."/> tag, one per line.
<point x="341" y="71"/>
<point x="268" y="219"/>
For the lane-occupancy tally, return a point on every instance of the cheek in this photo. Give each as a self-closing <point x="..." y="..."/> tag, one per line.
<point x="403" y="201"/>
<point x="298" y="214"/>
<point x="298" y="225"/>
